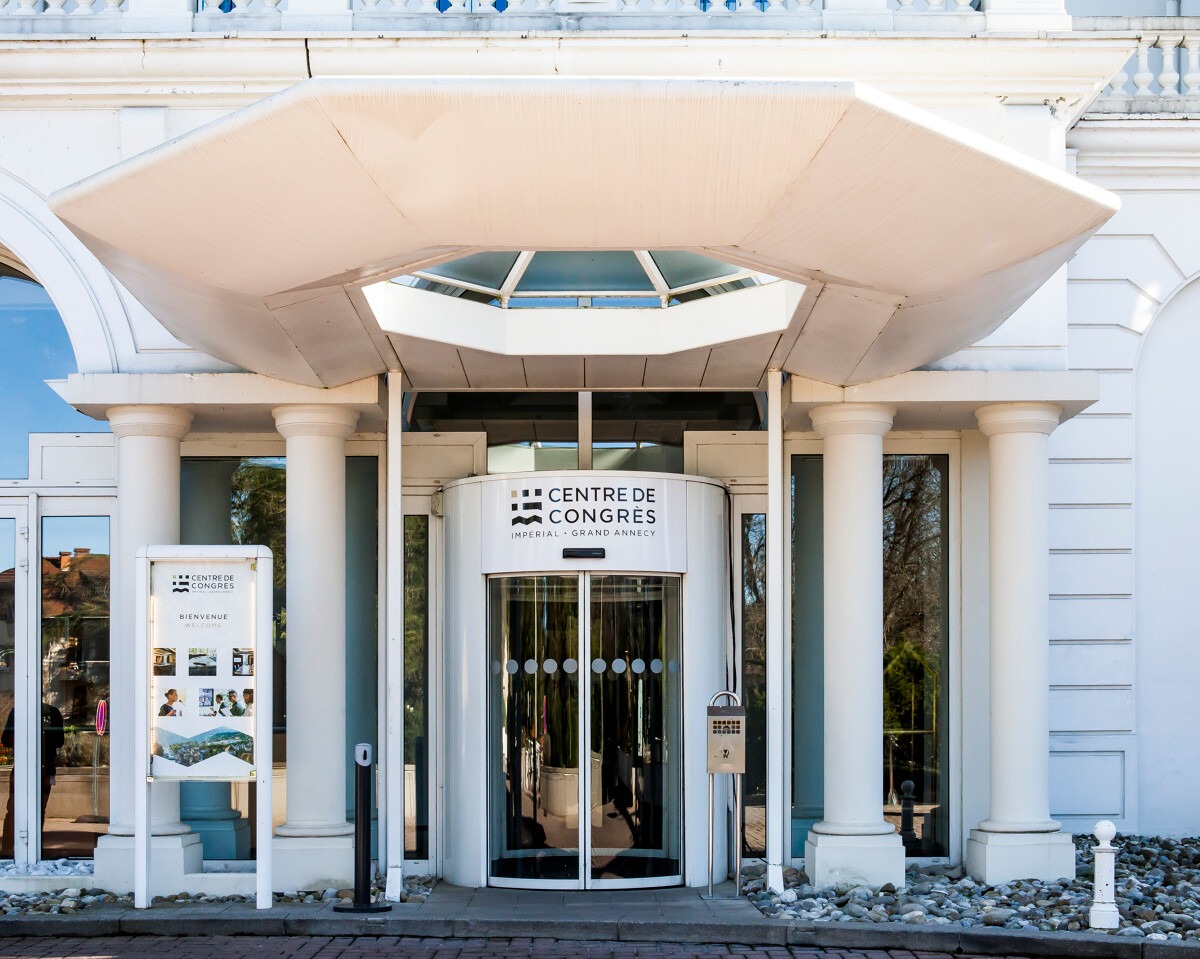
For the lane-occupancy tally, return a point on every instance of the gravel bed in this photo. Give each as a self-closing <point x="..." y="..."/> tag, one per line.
<point x="1157" y="892"/>
<point x="71" y="900"/>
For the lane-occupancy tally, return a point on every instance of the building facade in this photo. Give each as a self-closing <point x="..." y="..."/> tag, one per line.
<point x="579" y="360"/>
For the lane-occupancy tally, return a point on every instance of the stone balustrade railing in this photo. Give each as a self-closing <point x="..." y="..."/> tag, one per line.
<point x="1162" y="77"/>
<point x="109" y="17"/>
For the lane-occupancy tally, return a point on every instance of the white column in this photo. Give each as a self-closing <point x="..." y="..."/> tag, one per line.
<point x="1019" y="840"/>
<point x="392" y="748"/>
<point x="778" y="711"/>
<point x="147" y="449"/>
<point x="314" y="841"/>
<point x="853" y="843"/>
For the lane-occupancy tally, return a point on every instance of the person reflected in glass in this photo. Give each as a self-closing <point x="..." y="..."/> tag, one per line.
<point x="53" y="739"/>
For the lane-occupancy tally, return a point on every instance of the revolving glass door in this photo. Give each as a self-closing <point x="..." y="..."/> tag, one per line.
<point x="585" y="713"/>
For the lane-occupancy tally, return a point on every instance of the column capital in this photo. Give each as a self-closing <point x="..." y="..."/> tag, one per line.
<point x="868" y="419"/>
<point x="168" y="421"/>
<point x="1018" y="418"/>
<point x="315" y="419"/>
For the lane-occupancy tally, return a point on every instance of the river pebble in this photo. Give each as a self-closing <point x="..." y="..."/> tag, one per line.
<point x="74" y="899"/>
<point x="1157" y="893"/>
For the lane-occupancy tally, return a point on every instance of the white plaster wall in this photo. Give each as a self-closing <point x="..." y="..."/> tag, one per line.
<point x="1121" y="515"/>
<point x="1168" y="543"/>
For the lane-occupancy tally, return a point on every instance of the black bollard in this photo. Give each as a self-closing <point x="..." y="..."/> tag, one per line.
<point x="362" y="836"/>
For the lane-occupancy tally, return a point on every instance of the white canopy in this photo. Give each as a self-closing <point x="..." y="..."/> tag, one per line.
<point x="251" y="238"/>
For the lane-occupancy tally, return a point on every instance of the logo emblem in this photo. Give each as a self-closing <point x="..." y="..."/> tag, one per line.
<point x="526" y="508"/>
<point x="181" y="583"/>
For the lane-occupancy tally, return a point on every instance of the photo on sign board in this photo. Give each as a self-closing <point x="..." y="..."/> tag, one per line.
<point x="248" y="701"/>
<point x="204" y="701"/>
<point x="174" y="703"/>
<point x="219" y="706"/>
<point x="202" y="661"/>
<point x="164" y="661"/>
<point x="237" y="705"/>
<point x="243" y="662"/>
<point x="221" y="742"/>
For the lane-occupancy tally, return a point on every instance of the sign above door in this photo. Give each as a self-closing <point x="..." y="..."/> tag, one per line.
<point x="556" y="521"/>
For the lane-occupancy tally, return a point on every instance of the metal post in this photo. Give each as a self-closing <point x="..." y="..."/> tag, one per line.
<point x="738" y="781"/>
<point x="721" y="760"/>
<point x="711" y="778"/>
<point x="362" y="835"/>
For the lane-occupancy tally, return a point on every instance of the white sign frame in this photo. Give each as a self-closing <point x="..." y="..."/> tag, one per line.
<point x="261" y="562"/>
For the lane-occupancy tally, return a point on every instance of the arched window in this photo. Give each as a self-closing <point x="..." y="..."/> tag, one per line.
<point x="34" y="347"/>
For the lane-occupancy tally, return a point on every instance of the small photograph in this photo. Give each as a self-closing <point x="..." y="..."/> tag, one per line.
<point x="237" y="707"/>
<point x="220" y="706"/>
<point x="248" y="701"/>
<point x="173" y="703"/>
<point x="164" y="661"/>
<point x="202" y="661"/>
<point x="204" y="701"/>
<point x="243" y="662"/>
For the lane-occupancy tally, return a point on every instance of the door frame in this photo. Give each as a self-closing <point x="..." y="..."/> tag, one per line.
<point x="25" y="840"/>
<point x="584" y="881"/>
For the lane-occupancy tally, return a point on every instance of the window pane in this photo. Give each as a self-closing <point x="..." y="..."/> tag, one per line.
<point x="808" y="648"/>
<point x="916" y="650"/>
<point x="36" y="348"/>
<point x="754" y="682"/>
<point x="74" y="757"/>
<point x="416" y="687"/>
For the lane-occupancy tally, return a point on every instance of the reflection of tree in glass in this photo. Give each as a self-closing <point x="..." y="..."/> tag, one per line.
<point x="260" y="510"/>
<point x="754" y="652"/>
<point x="75" y="603"/>
<point x="258" y="504"/>
<point x="914" y="640"/>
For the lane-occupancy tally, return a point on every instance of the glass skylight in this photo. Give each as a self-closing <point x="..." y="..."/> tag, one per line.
<point x="577" y="278"/>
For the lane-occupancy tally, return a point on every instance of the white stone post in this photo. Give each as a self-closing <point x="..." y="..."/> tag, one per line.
<point x="1104" y="913"/>
<point x="1019" y="840"/>
<point x="853" y="843"/>
<point x="147" y="450"/>
<point x="778" y="661"/>
<point x="314" y="843"/>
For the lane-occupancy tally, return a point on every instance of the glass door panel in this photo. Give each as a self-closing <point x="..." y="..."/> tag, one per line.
<point x="74" y="674"/>
<point x="635" y="712"/>
<point x="533" y="802"/>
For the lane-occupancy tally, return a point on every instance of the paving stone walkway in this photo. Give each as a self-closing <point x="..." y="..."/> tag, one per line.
<point x="398" y="947"/>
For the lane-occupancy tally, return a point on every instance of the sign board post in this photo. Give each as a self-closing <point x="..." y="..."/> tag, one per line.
<point x="202" y="706"/>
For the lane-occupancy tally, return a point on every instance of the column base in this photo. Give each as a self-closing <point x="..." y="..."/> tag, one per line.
<point x="870" y="861"/>
<point x="223" y="838"/>
<point x="996" y="857"/>
<point x="313" y="862"/>
<point x="171" y="859"/>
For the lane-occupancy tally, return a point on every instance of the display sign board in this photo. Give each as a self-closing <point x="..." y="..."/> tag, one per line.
<point x="203" y="647"/>
<point x="201" y="708"/>
<point x="639" y="522"/>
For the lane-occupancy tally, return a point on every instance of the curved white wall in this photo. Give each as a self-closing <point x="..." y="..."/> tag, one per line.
<point x="1167" y="498"/>
<point x="472" y="504"/>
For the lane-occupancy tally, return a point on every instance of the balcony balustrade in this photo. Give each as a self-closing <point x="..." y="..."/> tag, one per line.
<point x="1163" y="77"/>
<point x="115" y="17"/>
